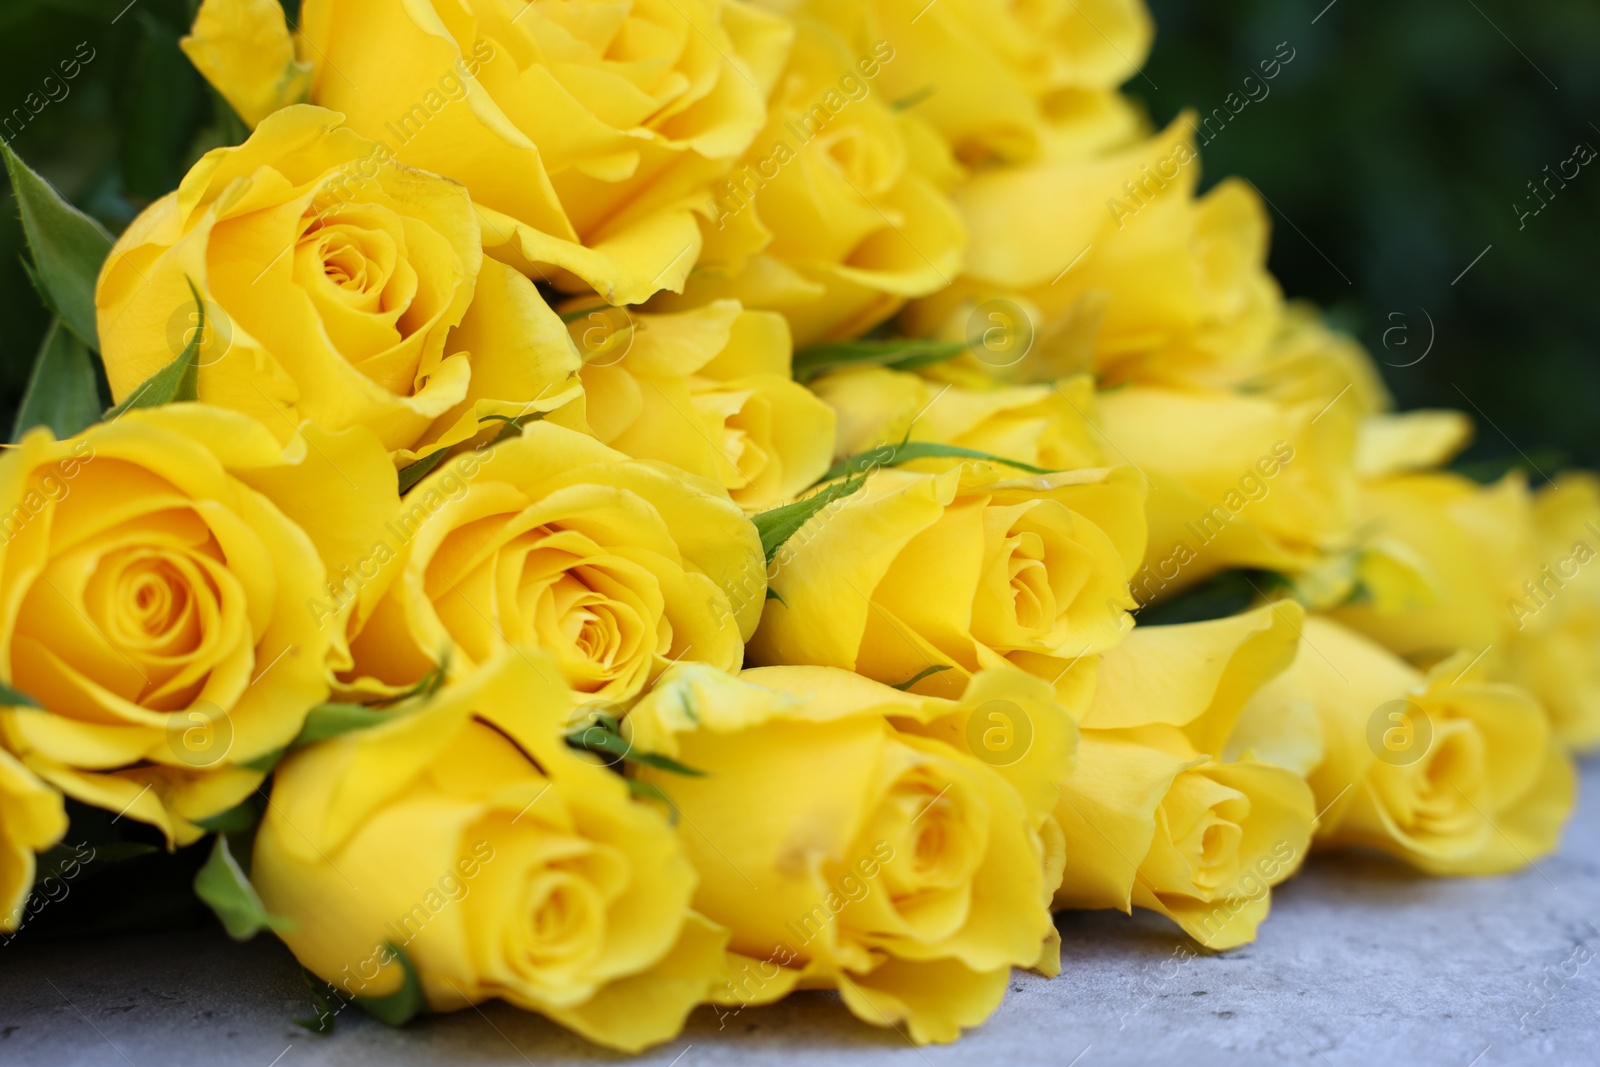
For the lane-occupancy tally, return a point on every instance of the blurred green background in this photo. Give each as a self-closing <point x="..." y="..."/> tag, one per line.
<point x="1396" y="143"/>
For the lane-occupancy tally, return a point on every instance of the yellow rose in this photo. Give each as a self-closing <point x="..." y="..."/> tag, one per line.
<point x="1557" y="627"/>
<point x="838" y="213"/>
<point x="1406" y="442"/>
<point x="959" y="572"/>
<point x="161" y="570"/>
<point x="908" y="875"/>
<point x="338" y="287"/>
<point x="243" y="47"/>
<point x="613" y="567"/>
<point x="709" y="391"/>
<point x="1472" y="548"/>
<point x="1165" y="809"/>
<point x="1004" y="82"/>
<point x="1236" y="480"/>
<point x="1306" y="360"/>
<point x="1450" y="772"/>
<point x="1112" y="265"/>
<point x="1499" y="571"/>
<point x="32" y="818"/>
<point x="466" y="834"/>
<point x="588" y="134"/>
<point x="1046" y="426"/>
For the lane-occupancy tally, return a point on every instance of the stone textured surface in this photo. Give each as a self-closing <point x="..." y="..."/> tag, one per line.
<point x="1360" y="964"/>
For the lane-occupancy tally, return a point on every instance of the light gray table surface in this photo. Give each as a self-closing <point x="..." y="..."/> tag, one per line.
<point x="1361" y="964"/>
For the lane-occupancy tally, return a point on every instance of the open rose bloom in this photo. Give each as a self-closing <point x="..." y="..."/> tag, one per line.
<point x="636" y="507"/>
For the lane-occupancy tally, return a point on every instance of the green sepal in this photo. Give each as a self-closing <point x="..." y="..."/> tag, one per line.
<point x="322" y="1023"/>
<point x="413" y="473"/>
<point x="650" y="791"/>
<point x="513" y="426"/>
<point x="405" y="1003"/>
<point x="900" y="353"/>
<point x="331" y="720"/>
<point x="783" y="522"/>
<point x="603" y="740"/>
<point x="226" y="889"/>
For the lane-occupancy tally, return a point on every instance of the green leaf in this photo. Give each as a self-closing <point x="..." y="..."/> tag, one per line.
<point x="405" y="1003"/>
<point x="783" y="522"/>
<point x="10" y="698"/>
<point x="224" y="887"/>
<point x="900" y="353"/>
<point x="413" y="473"/>
<point x="178" y="381"/>
<point x="331" y="720"/>
<point x="62" y="393"/>
<point x="907" y="451"/>
<point x="905" y="686"/>
<point x="773" y="594"/>
<point x="68" y="248"/>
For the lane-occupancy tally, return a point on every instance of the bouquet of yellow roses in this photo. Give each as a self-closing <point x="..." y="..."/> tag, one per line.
<point x="618" y="506"/>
